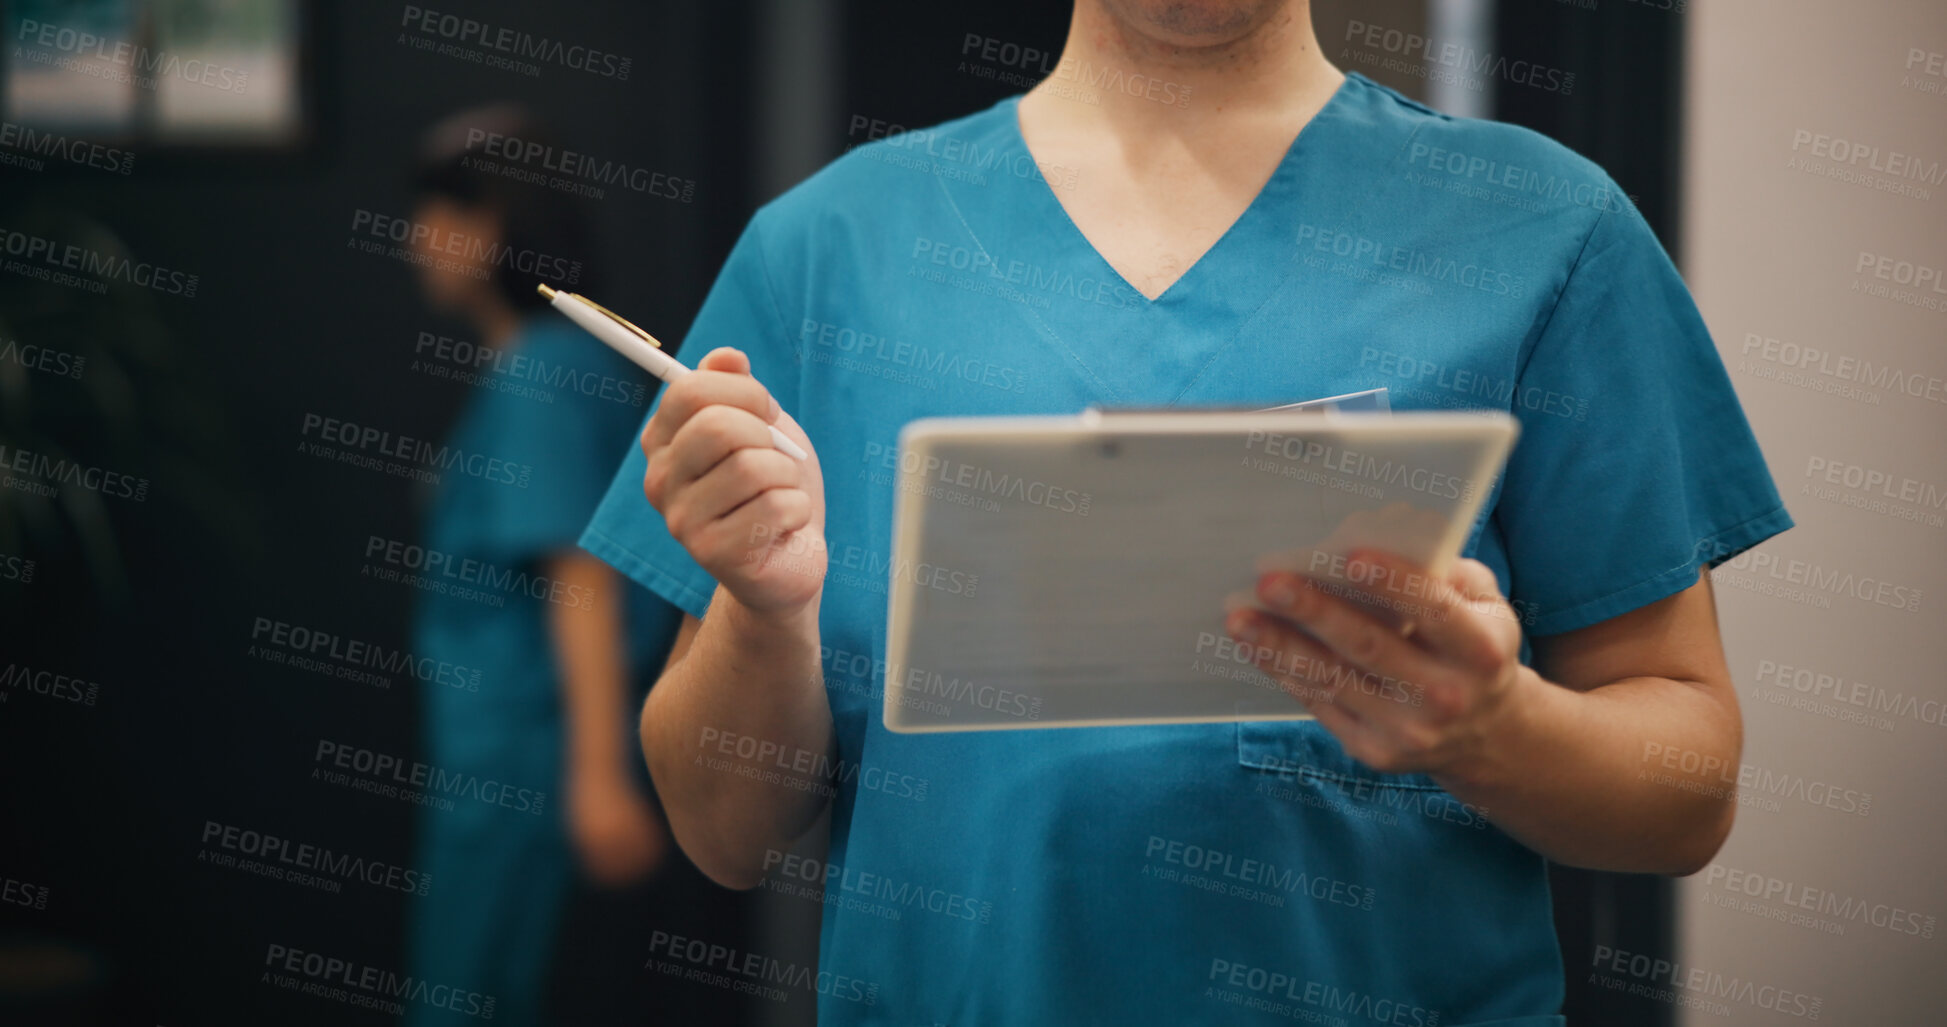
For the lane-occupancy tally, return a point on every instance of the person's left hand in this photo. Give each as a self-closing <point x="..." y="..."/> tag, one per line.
<point x="1410" y="672"/>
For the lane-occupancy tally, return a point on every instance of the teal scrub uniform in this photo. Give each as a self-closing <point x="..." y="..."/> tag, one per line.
<point x="1234" y="873"/>
<point x="534" y="450"/>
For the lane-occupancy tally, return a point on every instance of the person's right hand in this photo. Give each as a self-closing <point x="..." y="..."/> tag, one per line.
<point x="749" y="514"/>
<point x="616" y="832"/>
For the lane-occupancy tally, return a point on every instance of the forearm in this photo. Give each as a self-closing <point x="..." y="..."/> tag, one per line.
<point x="1580" y="776"/>
<point x="588" y="648"/>
<point x="744" y="707"/>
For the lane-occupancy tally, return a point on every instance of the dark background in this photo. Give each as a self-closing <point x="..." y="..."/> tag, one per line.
<point x="204" y="396"/>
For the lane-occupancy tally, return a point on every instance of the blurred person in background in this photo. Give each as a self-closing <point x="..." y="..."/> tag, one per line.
<point x="561" y="667"/>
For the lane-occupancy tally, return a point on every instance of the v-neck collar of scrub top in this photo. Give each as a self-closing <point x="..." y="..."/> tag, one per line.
<point x="1218" y="293"/>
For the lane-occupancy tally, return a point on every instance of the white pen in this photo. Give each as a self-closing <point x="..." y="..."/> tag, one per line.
<point x="636" y="344"/>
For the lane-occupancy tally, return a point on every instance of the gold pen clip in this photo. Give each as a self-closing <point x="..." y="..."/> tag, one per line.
<point x="548" y="292"/>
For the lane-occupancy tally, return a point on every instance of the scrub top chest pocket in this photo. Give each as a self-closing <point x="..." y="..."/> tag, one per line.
<point x="1300" y="761"/>
<point x="1303" y="753"/>
<point x="1303" y="762"/>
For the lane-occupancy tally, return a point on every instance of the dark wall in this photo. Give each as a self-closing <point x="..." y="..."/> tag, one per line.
<point x="1625" y="108"/>
<point x="105" y="804"/>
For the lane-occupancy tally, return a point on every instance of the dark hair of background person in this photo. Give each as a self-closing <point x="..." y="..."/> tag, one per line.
<point x="532" y="220"/>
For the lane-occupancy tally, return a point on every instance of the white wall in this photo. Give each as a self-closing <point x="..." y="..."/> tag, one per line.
<point x="1773" y="250"/>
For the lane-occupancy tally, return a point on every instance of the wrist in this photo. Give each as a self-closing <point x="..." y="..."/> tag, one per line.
<point x="795" y="621"/>
<point x="1506" y="728"/>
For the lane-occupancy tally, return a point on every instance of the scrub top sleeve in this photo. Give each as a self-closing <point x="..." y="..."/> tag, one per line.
<point x="1635" y="468"/>
<point x="741" y="311"/>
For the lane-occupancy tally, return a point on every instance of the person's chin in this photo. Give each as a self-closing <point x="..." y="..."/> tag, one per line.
<point x="1196" y="23"/>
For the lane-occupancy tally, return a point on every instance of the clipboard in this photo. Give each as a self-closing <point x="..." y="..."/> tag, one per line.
<point x="1068" y="571"/>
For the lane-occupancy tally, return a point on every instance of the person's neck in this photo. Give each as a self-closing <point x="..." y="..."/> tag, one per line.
<point x="1276" y="72"/>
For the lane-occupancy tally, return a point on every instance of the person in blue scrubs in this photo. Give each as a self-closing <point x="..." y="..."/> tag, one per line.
<point x="558" y="651"/>
<point x="1268" y="230"/>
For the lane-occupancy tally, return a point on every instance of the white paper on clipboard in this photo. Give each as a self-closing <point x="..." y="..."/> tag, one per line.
<point x="1366" y="401"/>
<point x="1071" y="571"/>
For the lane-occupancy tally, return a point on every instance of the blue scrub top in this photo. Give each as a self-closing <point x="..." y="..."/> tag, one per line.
<point x="1237" y="872"/>
<point x="554" y="406"/>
